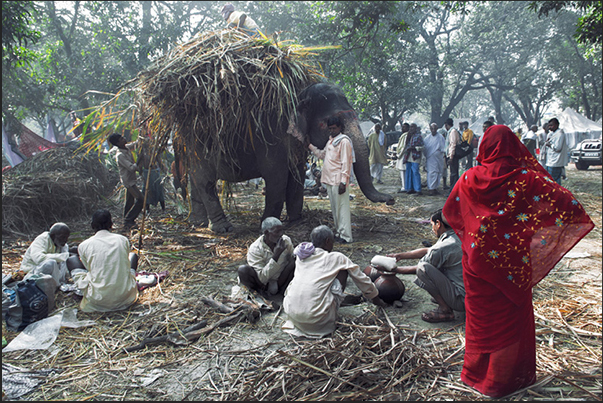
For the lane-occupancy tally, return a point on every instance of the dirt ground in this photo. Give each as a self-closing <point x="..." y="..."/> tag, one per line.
<point x="90" y="364"/>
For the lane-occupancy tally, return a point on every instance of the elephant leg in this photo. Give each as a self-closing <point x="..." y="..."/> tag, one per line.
<point x="217" y="219"/>
<point x="295" y="194"/>
<point x="276" y="187"/>
<point x="198" y="211"/>
<point x="206" y="206"/>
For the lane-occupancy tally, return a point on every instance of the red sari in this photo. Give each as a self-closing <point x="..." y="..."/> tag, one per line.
<point x="515" y="224"/>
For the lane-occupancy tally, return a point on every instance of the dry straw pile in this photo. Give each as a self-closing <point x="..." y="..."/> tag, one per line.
<point x="59" y="184"/>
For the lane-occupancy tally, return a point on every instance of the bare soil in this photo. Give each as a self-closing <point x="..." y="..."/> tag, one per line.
<point x="90" y="363"/>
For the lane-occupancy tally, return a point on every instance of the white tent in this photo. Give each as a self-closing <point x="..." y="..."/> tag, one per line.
<point x="366" y="126"/>
<point x="577" y="127"/>
<point x="478" y="126"/>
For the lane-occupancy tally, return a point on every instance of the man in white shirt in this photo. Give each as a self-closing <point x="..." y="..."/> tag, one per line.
<point x="530" y="140"/>
<point x="377" y="152"/>
<point x="48" y="253"/>
<point x="542" y="137"/>
<point x="434" y="150"/>
<point x="557" y="151"/>
<point x="240" y="20"/>
<point x="400" y="151"/>
<point x="270" y="261"/>
<point x="338" y="156"/>
<point x="107" y="283"/>
<point x="316" y="292"/>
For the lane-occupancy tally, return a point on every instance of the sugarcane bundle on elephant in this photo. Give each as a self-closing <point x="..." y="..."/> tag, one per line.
<point x="240" y="108"/>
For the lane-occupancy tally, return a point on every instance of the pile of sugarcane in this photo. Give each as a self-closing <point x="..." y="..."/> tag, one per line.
<point x="220" y="87"/>
<point x="59" y="184"/>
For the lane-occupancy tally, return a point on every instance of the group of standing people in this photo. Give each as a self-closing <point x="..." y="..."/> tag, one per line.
<point x="436" y="149"/>
<point x="441" y="153"/>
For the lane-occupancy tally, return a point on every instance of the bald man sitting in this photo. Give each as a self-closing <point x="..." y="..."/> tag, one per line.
<point x="48" y="252"/>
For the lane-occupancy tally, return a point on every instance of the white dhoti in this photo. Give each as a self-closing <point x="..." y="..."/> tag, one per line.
<point x="402" y="168"/>
<point x="340" y="207"/>
<point x="435" y="167"/>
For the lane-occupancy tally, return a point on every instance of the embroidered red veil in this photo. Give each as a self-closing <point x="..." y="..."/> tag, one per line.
<point x="514" y="220"/>
<point x="515" y="224"/>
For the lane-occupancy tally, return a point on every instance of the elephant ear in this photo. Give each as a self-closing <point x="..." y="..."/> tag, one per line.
<point x="298" y="128"/>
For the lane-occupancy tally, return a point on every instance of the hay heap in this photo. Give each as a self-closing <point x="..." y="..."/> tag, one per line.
<point x="59" y="184"/>
<point x="219" y="87"/>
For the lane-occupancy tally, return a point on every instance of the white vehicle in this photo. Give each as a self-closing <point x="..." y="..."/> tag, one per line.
<point x="586" y="153"/>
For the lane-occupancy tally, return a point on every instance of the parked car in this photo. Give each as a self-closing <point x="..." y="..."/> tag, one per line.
<point x="392" y="142"/>
<point x="392" y="152"/>
<point x="586" y="153"/>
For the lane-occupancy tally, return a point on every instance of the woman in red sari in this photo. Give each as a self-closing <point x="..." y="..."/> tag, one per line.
<point x="515" y="223"/>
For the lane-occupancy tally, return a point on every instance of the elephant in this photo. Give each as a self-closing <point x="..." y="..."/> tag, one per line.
<point x="278" y="155"/>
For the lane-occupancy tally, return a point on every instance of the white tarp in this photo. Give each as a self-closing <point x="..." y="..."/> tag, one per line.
<point x="478" y="126"/>
<point x="577" y="127"/>
<point x="366" y="126"/>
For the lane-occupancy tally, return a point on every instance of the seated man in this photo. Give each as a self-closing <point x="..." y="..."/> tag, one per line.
<point x="48" y="252"/>
<point x="439" y="271"/>
<point x="270" y="261"/>
<point x="315" y="294"/>
<point x="107" y="282"/>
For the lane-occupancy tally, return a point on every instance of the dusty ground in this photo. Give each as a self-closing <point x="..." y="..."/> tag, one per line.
<point x="89" y="363"/>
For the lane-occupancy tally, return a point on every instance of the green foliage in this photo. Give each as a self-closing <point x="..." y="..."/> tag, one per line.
<point x="17" y="34"/>
<point x="589" y="29"/>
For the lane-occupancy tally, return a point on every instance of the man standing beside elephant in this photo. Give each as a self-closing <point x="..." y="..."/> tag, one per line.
<point x="338" y="156"/>
<point x="127" y="173"/>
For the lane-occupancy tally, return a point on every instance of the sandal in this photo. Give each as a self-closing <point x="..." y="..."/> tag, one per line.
<point x="436" y="316"/>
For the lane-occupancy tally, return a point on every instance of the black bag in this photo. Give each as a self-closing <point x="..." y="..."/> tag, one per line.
<point x="28" y="304"/>
<point x="462" y="150"/>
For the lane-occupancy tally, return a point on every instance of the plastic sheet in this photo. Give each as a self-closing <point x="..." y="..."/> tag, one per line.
<point x="41" y="334"/>
<point x="17" y="382"/>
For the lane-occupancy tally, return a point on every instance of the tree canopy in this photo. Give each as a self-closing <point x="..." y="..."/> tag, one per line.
<point x="513" y="60"/>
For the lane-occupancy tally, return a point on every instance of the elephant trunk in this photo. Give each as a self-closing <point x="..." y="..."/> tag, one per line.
<point x="361" y="166"/>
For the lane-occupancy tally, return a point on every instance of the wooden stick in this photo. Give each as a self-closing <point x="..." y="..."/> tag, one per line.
<point x="163" y="339"/>
<point x="188" y="336"/>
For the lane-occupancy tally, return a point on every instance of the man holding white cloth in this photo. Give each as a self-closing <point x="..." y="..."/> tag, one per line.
<point x="48" y="252"/>
<point x="338" y="156"/>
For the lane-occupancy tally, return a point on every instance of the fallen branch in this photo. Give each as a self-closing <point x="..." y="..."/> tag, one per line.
<point x="163" y="339"/>
<point x="187" y="337"/>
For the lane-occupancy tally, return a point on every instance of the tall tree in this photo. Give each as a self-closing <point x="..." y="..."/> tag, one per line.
<point x="18" y="36"/>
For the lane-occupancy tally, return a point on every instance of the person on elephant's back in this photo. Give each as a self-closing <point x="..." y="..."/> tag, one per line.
<point x="338" y="156"/>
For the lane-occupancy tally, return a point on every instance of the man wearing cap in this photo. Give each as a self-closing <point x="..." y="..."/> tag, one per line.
<point x="238" y="19"/>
